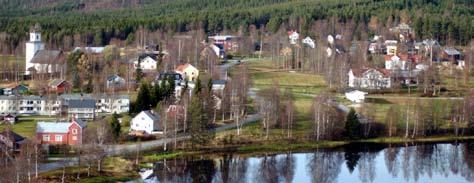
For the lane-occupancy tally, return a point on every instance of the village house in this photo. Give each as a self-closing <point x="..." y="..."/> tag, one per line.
<point x="31" y="105"/>
<point x="188" y="72"/>
<point x="10" y="140"/>
<point x="59" y="133"/>
<point x="113" y="104"/>
<point x="41" y="61"/>
<point x="147" y="122"/>
<point x="451" y="55"/>
<point x="226" y="42"/>
<point x="115" y="82"/>
<point x="147" y="63"/>
<point x="84" y="109"/>
<point x="369" y="78"/>
<point x="59" y="86"/>
<point x="391" y="47"/>
<point x="355" y="96"/>
<point x="293" y="36"/>
<point x="395" y="63"/>
<point x="218" y="85"/>
<point x="178" y="79"/>
<point x="16" y="90"/>
<point x="10" y="118"/>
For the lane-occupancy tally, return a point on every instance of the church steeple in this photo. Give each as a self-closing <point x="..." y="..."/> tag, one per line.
<point x="35" y="35"/>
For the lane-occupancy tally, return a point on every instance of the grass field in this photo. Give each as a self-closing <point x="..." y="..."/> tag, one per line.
<point x="264" y="76"/>
<point x="26" y="125"/>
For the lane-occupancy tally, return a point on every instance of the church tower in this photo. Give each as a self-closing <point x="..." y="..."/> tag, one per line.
<point x="33" y="46"/>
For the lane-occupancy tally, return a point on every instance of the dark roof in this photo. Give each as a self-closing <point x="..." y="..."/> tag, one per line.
<point x="80" y="123"/>
<point x="219" y="82"/>
<point x="151" y="115"/>
<point x="144" y="55"/>
<point x="82" y="103"/>
<point x="163" y="75"/>
<point x="112" y="77"/>
<point x="12" y="136"/>
<point x="46" y="57"/>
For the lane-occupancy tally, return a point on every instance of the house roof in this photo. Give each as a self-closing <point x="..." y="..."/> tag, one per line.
<point x="81" y="123"/>
<point x="52" y="127"/>
<point x="113" y="77"/>
<point x="56" y="82"/>
<point x="12" y="136"/>
<point x="219" y="82"/>
<point x="360" y="72"/>
<point x="151" y="115"/>
<point x="82" y="103"/>
<point x="182" y="67"/>
<point x="452" y="51"/>
<point x="21" y="87"/>
<point x="46" y="56"/>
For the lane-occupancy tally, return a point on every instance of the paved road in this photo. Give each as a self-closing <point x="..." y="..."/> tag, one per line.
<point x="413" y="98"/>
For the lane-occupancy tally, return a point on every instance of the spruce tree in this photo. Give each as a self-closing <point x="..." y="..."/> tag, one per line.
<point x="115" y="126"/>
<point x="352" y="126"/>
<point x="143" y="99"/>
<point x="198" y="121"/>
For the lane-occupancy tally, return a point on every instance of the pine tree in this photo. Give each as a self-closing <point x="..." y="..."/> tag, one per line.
<point x="115" y="126"/>
<point x="352" y="125"/>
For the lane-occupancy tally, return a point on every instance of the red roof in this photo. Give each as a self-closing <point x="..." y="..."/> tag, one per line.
<point x="181" y="67"/>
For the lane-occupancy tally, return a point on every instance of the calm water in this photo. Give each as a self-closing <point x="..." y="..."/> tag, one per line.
<point x="437" y="163"/>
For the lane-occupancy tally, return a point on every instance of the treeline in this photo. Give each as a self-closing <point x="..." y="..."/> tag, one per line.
<point x="451" y="19"/>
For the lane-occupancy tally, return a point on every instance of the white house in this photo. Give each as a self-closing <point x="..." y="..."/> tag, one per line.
<point x="188" y="71"/>
<point x="293" y="36"/>
<point x="369" y="78"/>
<point x="394" y="62"/>
<point x="146" y="64"/>
<point x="115" y="81"/>
<point x="355" y="96"/>
<point x="147" y="122"/>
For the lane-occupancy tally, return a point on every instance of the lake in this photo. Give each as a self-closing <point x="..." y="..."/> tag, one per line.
<point x="360" y="162"/>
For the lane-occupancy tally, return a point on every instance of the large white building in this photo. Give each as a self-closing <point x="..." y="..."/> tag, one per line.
<point x="56" y="105"/>
<point x="32" y="47"/>
<point x="369" y="78"/>
<point x="41" y="61"/>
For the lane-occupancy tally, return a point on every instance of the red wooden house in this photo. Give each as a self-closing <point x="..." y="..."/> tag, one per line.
<point x="68" y="133"/>
<point x="59" y="86"/>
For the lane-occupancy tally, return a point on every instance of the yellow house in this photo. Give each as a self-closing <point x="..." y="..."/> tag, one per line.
<point x="188" y="71"/>
<point x="391" y="46"/>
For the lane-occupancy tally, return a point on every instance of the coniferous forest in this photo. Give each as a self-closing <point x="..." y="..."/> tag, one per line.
<point x="98" y="22"/>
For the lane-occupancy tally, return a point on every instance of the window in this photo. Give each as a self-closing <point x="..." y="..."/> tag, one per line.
<point x="46" y="138"/>
<point x="58" y="138"/>
<point x="74" y="137"/>
<point x="74" y="131"/>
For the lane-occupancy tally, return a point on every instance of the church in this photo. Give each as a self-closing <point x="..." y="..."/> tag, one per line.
<point x="41" y="61"/>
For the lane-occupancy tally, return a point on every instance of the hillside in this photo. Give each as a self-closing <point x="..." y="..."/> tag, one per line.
<point x="108" y="19"/>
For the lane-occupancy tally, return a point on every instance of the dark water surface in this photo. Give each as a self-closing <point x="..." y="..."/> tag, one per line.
<point x="424" y="163"/>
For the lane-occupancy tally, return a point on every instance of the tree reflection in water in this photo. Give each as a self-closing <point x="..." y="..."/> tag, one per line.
<point x="364" y="163"/>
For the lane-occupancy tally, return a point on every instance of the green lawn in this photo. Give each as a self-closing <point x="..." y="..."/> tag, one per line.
<point x="26" y="126"/>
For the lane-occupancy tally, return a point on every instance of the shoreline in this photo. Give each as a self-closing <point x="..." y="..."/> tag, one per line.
<point x="275" y="147"/>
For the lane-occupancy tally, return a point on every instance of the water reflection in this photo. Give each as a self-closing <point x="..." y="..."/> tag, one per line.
<point x="354" y="163"/>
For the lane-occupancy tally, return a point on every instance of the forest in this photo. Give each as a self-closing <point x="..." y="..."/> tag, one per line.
<point x="97" y="23"/>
